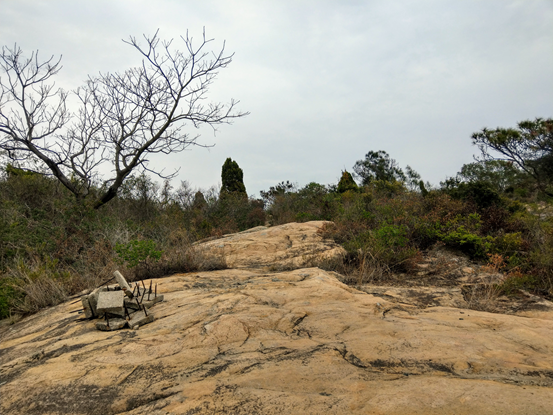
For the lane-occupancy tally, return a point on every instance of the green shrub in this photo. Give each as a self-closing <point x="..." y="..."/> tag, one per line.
<point x="386" y="246"/>
<point x="392" y="246"/>
<point x="479" y="193"/>
<point x="305" y="217"/>
<point x="138" y="252"/>
<point x="392" y="236"/>
<point x="312" y="202"/>
<point x="470" y="243"/>
<point x="9" y="296"/>
<point x="514" y="283"/>
<point x="232" y="213"/>
<point x="387" y="188"/>
<point x="508" y="244"/>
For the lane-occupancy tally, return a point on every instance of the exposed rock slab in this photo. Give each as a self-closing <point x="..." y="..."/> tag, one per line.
<point x="420" y="297"/>
<point x="243" y="342"/>
<point x="293" y="245"/>
<point x="524" y="305"/>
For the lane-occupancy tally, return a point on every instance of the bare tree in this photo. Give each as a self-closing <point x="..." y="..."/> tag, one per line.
<point x="121" y="119"/>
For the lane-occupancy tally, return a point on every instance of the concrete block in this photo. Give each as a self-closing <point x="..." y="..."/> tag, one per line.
<point x="144" y="294"/>
<point x="132" y="304"/>
<point x="86" y="307"/>
<point x="114" y="324"/>
<point x="153" y="301"/>
<point x="117" y="313"/>
<point x="110" y="302"/>
<point x="139" y="319"/>
<point x="123" y="284"/>
<point x="93" y="301"/>
<point x="140" y="293"/>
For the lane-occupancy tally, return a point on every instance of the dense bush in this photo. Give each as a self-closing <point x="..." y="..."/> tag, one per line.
<point x="285" y="203"/>
<point x="52" y="247"/>
<point x="385" y="227"/>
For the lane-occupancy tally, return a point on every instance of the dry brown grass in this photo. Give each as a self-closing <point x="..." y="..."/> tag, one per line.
<point x="186" y="258"/>
<point x="482" y="297"/>
<point x="44" y="283"/>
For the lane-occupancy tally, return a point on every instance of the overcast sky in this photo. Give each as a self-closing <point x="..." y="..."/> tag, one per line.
<point x="325" y="81"/>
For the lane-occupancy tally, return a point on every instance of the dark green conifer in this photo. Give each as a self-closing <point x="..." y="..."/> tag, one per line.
<point x="232" y="177"/>
<point x="347" y="183"/>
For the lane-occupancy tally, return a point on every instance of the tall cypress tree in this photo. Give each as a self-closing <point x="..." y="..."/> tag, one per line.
<point x="347" y="183"/>
<point x="232" y="177"/>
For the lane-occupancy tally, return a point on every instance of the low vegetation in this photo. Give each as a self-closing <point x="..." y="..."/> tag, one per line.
<point x="493" y="211"/>
<point x="53" y="247"/>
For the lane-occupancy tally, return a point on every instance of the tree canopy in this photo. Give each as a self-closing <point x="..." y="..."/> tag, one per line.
<point x="378" y="165"/>
<point x="529" y="147"/>
<point x="500" y="175"/>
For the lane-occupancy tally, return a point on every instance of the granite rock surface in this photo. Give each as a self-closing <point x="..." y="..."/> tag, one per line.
<point x="246" y="341"/>
<point x="293" y="245"/>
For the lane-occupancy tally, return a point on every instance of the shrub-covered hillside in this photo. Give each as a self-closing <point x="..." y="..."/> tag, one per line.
<point x="496" y="210"/>
<point x="52" y="246"/>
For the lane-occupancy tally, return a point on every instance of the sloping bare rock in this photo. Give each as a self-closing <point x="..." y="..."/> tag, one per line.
<point x="421" y="297"/>
<point x="300" y="342"/>
<point x="293" y="245"/>
<point x="530" y="306"/>
<point x="469" y="296"/>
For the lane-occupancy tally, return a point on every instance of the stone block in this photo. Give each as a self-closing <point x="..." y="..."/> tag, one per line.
<point x="112" y="324"/>
<point x="140" y="293"/>
<point x="143" y="295"/>
<point x="142" y="301"/>
<point x="132" y="304"/>
<point x="123" y="284"/>
<point x="117" y="313"/>
<point x="93" y="301"/>
<point x="139" y="319"/>
<point x="110" y="302"/>
<point x="153" y="301"/>
<point x="86" y="307"/>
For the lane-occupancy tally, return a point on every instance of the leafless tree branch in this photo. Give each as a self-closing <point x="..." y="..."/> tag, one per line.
<point x="121" y="119"/>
